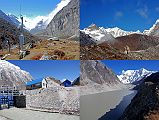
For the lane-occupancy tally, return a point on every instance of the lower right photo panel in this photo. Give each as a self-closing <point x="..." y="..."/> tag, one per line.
<point x="119" y="90"/>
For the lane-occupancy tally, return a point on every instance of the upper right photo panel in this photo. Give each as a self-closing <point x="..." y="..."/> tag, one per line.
<point x="119" y="29"/>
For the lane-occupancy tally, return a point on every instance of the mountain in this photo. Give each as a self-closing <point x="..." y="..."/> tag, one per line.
<point x="65" y="23"/>
<point x="154" y="30"/>
<point x="6" y="17"/>
<point x="14" y="19"/>
<point x="12" y="32"/>
<point x="134" y="76"/>
<point x="41" y="22"/>
<point x="98" y="34"/>
<point x="12" y="75"/>
<point x="135" y="42"/>
<point x="145" y="104"/>
<point x="39" y="27"/>
<point x="86" y="39"/>
<point x="96" y="77"/>
<point x="91" y="51"/>
<point x="101" y="34"/>
<point x="95" y="72"/>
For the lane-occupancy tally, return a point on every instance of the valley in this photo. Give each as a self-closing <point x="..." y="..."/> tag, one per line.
<point x="47" y="50"/>
<point x="133" y="94"/>
<point x="47" y="38"/>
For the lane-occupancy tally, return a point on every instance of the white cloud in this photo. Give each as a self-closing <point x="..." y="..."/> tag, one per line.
<point x="119" y="14"/>
<point x="30" y="23"/>
<point x="143" y="12"/>
<point x="157" y="9"/>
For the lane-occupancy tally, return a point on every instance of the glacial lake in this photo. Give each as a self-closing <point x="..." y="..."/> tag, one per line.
<point x="106" y="105"/>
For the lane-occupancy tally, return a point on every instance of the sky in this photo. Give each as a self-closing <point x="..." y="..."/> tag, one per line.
<point x="129" y="15"/>
<point x="30" y="8"/>
<point x="118" y="65"/>
<point x="59" y="69"/>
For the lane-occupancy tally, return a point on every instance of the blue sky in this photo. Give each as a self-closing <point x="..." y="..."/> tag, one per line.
<point x="59" y="69"/>
<point x="30" y="8"/>
<point x="131" y="15"/>
<point x="118" y="65"/>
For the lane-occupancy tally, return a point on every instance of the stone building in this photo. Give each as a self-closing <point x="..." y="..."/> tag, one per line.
<point x="49" y="82"/>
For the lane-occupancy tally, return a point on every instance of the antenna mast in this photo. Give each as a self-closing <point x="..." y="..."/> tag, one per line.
<point x="21" y="37"/>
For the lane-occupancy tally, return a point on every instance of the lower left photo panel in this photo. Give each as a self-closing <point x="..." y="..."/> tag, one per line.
<point x="39" y="90"/>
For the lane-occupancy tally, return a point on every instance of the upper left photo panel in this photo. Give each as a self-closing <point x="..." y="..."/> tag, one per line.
<point x="39" y="30"/>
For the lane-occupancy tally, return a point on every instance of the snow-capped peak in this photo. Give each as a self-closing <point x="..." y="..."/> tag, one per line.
<point x="101" y="34"/>
<point x="133" y="76"/>
<point x="41" y="22"/>
<point x="12" y="75"/>
<point x="154" y="30"/>
<point x="98" y="34"/>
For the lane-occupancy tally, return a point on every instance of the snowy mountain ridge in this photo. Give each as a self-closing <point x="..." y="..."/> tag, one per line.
<point x="134" y="76"/>
<point x="154" y="30"/>
<point x="12" y="75"/>
<point x="101" y="34"/>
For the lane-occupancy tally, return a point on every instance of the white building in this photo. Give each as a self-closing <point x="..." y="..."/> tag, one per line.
<point x="49" y="82"/>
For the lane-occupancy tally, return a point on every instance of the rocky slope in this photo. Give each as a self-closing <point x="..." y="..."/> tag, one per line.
<point x="134" y="76"/>
<point x="96" y="77"/>
<point x="12" y="75"/>
<point x="86" y="39"/>
<point x="134" y="46"/>
<point x="145" y="105"/>
<point x="65" y="23"/>
<point x="135" y="42"/>
<point x="12" y="32"/>
<point x="9" y="18"/>
<point x="101" y="52"/>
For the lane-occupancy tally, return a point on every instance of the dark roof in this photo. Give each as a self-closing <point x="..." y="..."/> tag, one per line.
<point x="66" y="81"/>
<point x="76" y="81"/>
<point x="34" y="82"/>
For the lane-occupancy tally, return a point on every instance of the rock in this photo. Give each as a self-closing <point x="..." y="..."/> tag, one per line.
<point x="65" y="23"/>
<point x="96" y="77"/>
<point x="86" y="39"/>
<point x="59" y="53"/>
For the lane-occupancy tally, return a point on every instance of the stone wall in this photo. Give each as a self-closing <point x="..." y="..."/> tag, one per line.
<point x="57" y="99"/>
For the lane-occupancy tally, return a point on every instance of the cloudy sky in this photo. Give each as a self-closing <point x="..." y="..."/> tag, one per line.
<point x="33" y="10"/>
<point x="131" y="15"/>
<point x="59" y="69"/>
